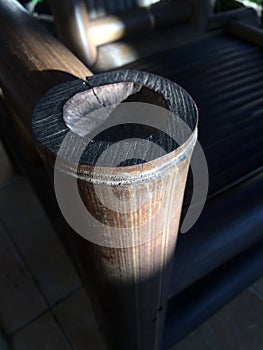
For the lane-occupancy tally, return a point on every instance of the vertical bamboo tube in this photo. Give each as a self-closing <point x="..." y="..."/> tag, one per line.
<point x="31" y="60"/>
<point x="124" y="253"/>
<point x="202" y="9"/>
<point x="72" y="22"/>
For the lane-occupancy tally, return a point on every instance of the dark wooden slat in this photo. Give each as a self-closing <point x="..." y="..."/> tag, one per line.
<point x="227" y="84"/>
<point x="232" y="82"/>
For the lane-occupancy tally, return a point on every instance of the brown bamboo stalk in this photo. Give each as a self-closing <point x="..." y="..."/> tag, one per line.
<point x="31" y="60"/>
<point x="124" y="255"/>
<point x="128" y="285"/>
<point x="73" y="25"/>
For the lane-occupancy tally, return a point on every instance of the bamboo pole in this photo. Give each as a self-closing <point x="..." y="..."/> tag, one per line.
<point x="125" y="208"/>
<point x="127" y="283"/>
<point x="31" y="61"/>
<point x="72" y="22"/>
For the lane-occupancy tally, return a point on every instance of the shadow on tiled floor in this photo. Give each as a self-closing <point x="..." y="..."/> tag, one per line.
<point x="43" y="305"/>
<point x="238" y="326"/>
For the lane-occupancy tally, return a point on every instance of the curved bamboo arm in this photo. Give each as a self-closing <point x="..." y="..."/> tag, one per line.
<point x="31" y="60"/>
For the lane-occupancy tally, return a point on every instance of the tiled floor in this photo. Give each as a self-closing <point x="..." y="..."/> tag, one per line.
<point x="43" y="305"/>
<point x="239" y="326"/>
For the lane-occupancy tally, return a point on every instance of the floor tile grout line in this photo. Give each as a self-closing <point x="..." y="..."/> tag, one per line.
<point x="66" y="297"/>
<point x="23" y="260"/>
<point x="63" y="330"/>
<point x="257" y="293"/>
<point x="48" y="309"/>
<point x="33" y="319"/>
<point x="45" y="299"/>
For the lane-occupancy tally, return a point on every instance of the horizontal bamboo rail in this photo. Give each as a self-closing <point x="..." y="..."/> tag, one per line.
<point x="31" y="61"/>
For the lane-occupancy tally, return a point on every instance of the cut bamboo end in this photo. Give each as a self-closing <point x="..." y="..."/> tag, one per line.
<point x="125" y="206"/>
